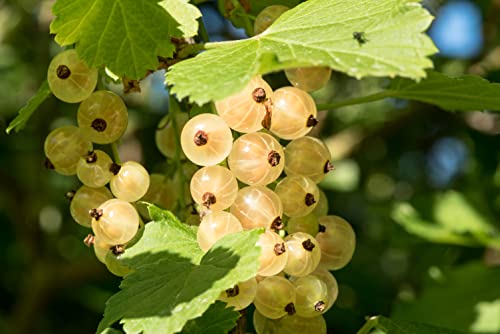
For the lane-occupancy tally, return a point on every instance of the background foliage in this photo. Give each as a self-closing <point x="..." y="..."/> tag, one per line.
<point x="420" y="185"/>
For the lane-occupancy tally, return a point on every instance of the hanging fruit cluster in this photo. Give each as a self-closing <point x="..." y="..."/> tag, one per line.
<point x="244" y="183"/>
<point x="301" y="243"/>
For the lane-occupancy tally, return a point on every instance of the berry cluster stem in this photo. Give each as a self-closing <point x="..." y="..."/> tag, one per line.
<point x="116" y="154"/>
<point x="358" y="100"/>
<point x="174" y="110"/>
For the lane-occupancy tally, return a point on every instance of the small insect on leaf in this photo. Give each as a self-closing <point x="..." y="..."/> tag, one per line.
<point x="360" y="37"/>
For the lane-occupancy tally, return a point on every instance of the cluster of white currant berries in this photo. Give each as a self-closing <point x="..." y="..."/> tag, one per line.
<point x="244" y="183"/>
<point x="102" y="119"/>
<point x="301" y="243"/>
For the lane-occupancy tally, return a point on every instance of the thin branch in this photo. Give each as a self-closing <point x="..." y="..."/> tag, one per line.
<point x="358" y="100"/>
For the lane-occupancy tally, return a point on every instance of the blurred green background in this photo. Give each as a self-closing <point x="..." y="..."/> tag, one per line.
<point x="421" y="187"/>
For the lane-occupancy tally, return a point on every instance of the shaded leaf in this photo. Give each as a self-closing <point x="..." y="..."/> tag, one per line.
<point x="452" y="210"/>
<point x="31" y="106"/>
<point x="218" y="319"/>
<point x="390" y="326"/>
<point x="464" y="93"/>
<point x="162" y="296"/>
<point x="454" y="298"/>
<point x="405" y="215"/>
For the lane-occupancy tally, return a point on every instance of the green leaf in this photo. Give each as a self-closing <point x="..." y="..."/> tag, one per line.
<point x="455" y="299"/>
<point x="29" y="108"/>
<point x="453" y="211"/>
<point x="406" y="215"/>
<point x="164" y="234"/>
<point x="403" y="327"/>
<point x="316" y="32"/>
<point x="218" y="319"/>
<point x="457" y="222"/>
<point x="111" y="331"/>
<point x="162" y="296"/>
<point x="127" y="36"/>
<point x="464" y="93"/>
<point x="184" y="13"/>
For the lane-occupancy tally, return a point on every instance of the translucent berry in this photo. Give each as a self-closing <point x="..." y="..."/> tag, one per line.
<point x="309" y="78"/>
<point x="293" y="114"/>
<point x="275" y="297"/>
<point x="93" y="169"/>
<point x="256" y="159"/>
<point x="273" y="257"/>
<point x="159" y="193"/>
<point x="337" y="242"/>
<point x="299" y="195"/>
<point x="69" y="78"/>
<point x="105" y="253"/>
<point x="308" y="156"/>
<point x="206" y="139"/>
<point x="214" y="187"/>
<point x="115" y="222"/>
<point x="297" y="324"/>
<point x="241" y="295"/>
<point x="308" y="224"/>
<point x="165" y="135"/>
<point x="103" y="117"/>
<point x="267" y="16"/>
<point x="64" y="147"/>
<point x="331" y="284"/>
<point x="130" y="181"/>
<point x="311" y="296"/>
<point x="304" y="254"/>
<point x="244" y="111"/>
<point x="321" y="208"/>
<point x="214" y="226"/>
<point x="258" y="206"/>
<point x="85" y="199"/>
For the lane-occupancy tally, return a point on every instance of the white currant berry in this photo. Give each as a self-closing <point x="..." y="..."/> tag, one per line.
<point x="308" y="156"/>
<point x="298" y="194"/>
<point x="331" y="284"/>
<point x="273" y="257"/>
<point x="115" y="222"/>
<point x="159" y="193"/>
<point x="304" y="254"/>
<point x="321" y="208"/>
<point x="258" y="206"/>
<point x="275" y="297"/>
<point x="241" y="295"/>
<point x="293" y="113"/>
<point x="165" y="135"/>
<point x="206" y="139"/>
<point x="308" y="224"/>
<point x="130" y="181"/>
<point x="214" y="226"/>
<point x="309" y="78"/>
<point x="297" y="324"/>
<point x="311" y="296"/>
<point x="337" y="242"/>
<point x="244" y="111"/>
<point x="64" y="147"/>
<point x="214" y="187"/>
<point x="256" y="159"/>
<point x="69" y="78"/>
<point x="267" y="16"/>
<point x="93" y="169"/>
<point x="103" y="117"/>
<point x="85" y="199"/>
